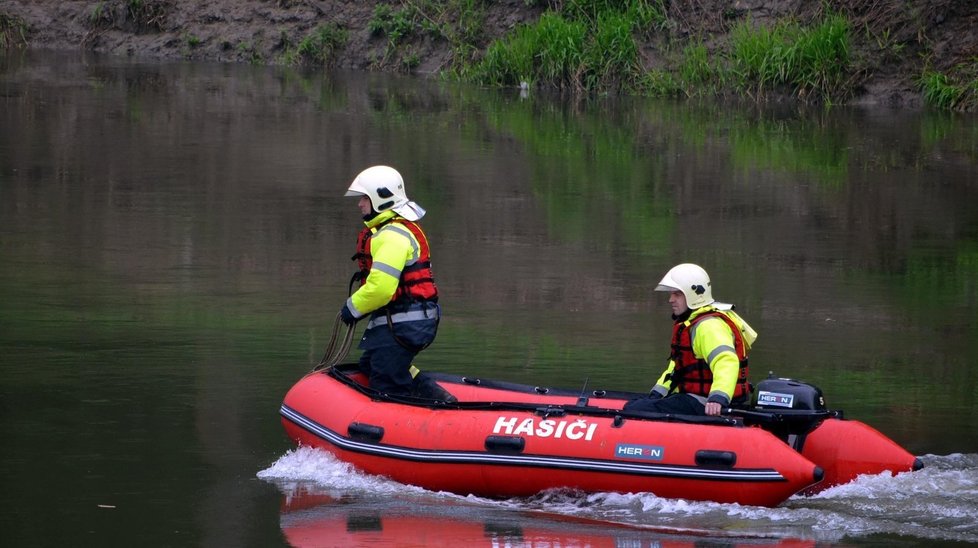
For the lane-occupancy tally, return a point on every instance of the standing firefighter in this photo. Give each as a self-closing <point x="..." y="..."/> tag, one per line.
<point x="397" y="288"/>
<point x="707" y="368"/>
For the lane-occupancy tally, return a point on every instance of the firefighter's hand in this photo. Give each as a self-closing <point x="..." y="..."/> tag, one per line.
<point x="713" y="408"/>
<point x="347" y="316"/>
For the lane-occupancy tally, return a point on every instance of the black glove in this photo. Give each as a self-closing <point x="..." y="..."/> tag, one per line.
<point x="347" y="316"/>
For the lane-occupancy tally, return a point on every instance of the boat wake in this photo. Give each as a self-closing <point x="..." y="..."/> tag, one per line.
<point x="939" y="502"/>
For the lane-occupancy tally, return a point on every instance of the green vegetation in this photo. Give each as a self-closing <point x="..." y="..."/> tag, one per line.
<point x="318" y="48"/>
<point x="590" y="47"/>
<point x="593" y="47"/>
<point x="644" y="47"/>
<point x="101" y="16"/>
<point x="647" y="15"/>
<point x="411" y="60"/>
<point x="549" y="52"/>
<point x="13" y="31"/>
<point x="458" y="22"/>
<point x="957" y="92"/>
<point x="811" y="61"/>
<point x="395" y="24"/>
<point x="696" y="72"/>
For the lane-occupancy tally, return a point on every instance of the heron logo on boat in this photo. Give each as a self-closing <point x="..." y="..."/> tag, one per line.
<point x="629" y="451"/>
<point x="775" y="399"/>
<point x="546" y="428"/>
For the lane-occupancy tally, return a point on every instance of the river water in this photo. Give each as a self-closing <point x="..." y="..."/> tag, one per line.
<point x="174" y="245"/>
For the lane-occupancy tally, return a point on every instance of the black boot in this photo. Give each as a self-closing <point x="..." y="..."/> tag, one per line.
<point x="426" y="387"/>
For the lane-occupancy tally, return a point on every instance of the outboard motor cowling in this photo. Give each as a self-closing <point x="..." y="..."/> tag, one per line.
<point x="796" y="408"/>
<point x="774" y="393"/>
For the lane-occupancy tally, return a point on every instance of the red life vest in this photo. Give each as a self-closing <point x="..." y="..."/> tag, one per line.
<point x="417" y="282"/>
<point x="693" y="375"/>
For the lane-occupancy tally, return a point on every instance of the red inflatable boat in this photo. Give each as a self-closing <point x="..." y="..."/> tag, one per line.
<point x="503" y="440"/>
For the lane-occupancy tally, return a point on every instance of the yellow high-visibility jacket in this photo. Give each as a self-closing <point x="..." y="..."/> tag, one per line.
<point x="392" y="246"/>
<point x="713" y="342"/>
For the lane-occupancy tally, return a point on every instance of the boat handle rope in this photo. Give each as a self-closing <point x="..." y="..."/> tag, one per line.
<point x="334" y="354"/>
<point x="329" y="358"/>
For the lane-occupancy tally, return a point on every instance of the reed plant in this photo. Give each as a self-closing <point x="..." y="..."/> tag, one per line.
<point x="943" y="91"/>
<point x="697" y="74"/>
<point x="469" y="26"/>
<point x="395" y="24"/>
<point x="810" y="61"/>
<point x="645" y="14"/>
<point x="549" y="51"/>
<point x="459" y="22"/>
<point x="659" y="83"/>
<point x="589" y="46"/>
<point x="611" y="56"/>
<point x="320" y="46"/>
<point x="939" y="91"/>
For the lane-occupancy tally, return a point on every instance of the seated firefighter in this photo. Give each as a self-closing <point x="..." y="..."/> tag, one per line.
<point x="707" y="368"/>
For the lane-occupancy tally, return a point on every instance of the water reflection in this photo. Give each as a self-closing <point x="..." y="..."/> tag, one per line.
<point x="316" y="516"/>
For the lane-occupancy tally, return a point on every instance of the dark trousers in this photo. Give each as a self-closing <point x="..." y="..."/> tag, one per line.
<point x="677" y="404"/>
<point x="388" y="351"/>
<point x="388" y="368"/>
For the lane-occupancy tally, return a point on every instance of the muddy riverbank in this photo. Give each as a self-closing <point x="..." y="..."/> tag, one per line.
<point x="893" y="42"/>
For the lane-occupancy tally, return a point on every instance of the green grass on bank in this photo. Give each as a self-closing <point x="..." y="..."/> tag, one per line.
<point x="459" y="22"/>
<point x="955" y="91"/>
<point x="639" y="47"/>
<point x="593" y="49"/>
<point x="589" y="46"/>
<point x="318" y="47"/>
<point x="810" y="61"/>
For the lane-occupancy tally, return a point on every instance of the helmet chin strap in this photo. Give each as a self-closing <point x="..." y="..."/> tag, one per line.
<point x="370" y="215"/>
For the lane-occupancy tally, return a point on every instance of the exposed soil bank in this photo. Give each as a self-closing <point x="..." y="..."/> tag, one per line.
<point x="893" y="41"/>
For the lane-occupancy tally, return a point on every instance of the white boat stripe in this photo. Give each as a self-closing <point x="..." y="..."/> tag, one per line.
<point x="470" y="457"/>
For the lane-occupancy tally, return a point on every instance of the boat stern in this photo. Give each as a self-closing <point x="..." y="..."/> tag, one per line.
<point x="846" y="449"/>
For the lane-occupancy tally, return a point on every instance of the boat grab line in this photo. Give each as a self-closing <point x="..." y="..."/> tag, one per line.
<point x="475" y="457"/>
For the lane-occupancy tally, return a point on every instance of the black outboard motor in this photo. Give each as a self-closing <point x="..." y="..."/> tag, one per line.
<point x="795" y="408"/>
<point x="775" y="393"/>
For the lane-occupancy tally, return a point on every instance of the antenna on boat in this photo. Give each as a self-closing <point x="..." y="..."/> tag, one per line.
<point x="582" y="399"/>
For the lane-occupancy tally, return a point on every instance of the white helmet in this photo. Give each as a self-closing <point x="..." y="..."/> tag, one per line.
<point x="385" y="188"/>
<point x="692" y="280"/>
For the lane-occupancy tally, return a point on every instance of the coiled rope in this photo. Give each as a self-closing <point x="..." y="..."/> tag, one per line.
<point x="335" y="354"/>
